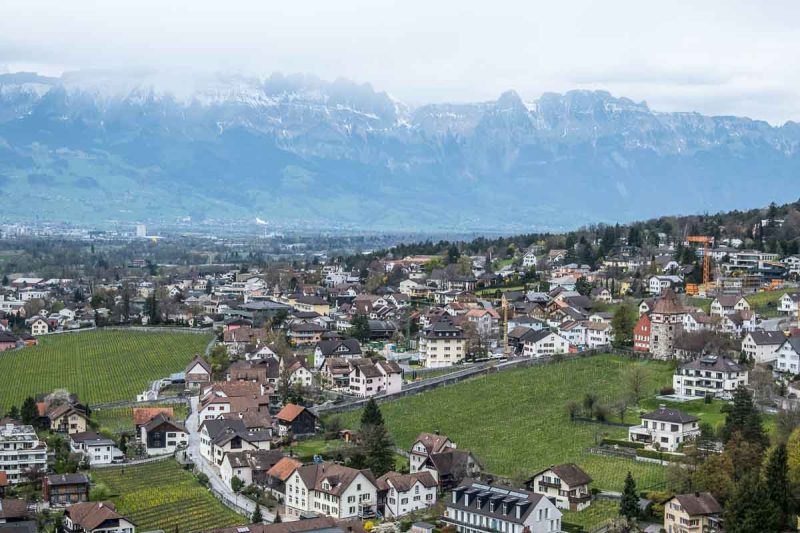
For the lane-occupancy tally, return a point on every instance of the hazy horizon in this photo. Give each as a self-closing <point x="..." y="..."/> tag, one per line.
<point x="716" y="58"/>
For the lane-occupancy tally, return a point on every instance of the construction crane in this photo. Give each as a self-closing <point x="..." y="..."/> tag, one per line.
<point x="706" y="242"/>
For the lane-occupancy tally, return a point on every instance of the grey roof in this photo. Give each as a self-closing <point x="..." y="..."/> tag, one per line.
<point x="664" y="414"/>
<point x="497" y="495"/>
<point x="67" y="479"/>
<point x="761" y="337"/>
<point x="713" y="362"/>
<point x="331" y="347"/>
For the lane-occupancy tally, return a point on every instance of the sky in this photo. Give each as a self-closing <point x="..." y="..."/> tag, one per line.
<point x="727" y="57"/>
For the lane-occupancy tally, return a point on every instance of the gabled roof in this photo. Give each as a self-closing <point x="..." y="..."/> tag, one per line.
<point x="569" y="473"/>
<point x="258" y="460"/>
<point x="90" y="515"/>
<point x="433" y="442"/>
<point x="67" y="479"/>
<point x="405" y="482"/>
<point x="765" y="338"/>
<point x="199" y="361"/>
<point x="337" y="477"/>
<point x="142" y="415"/>
<point x="699" y="504"/>
<point x="161" y="419"/>
<point x="290" y="412"/>
<point x="284" y="468"/>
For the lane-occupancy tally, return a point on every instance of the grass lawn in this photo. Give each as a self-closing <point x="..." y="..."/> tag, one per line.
<point x="710" y="413"/>
<point x="307" y="449"/>
<point x="766" y="303"/>
<point x="598" y="513"/>
<point x="100" y="366"/>
<point x="702" y="303"/>
<point x="120" y="419"/>
<point x="516" y="422"/>
<point x="161" y="495"/>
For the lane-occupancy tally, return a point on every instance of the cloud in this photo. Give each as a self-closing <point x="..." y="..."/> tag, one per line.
<point x="715" y="56"/>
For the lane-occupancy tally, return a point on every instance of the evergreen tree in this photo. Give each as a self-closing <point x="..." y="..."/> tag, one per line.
<point x="744" y="418"/>
<point x="29" y="412"/>
<point x="257" y="517"/>
<point x="13" y="412"/>
<point x="372" y="415"/>
<point x="629" y="504"/>
<point x="378" y="449"/>
<point x="749" y="509"/>
<point x="776" y="484"/>
<point x="360" y="328"/>
<point x="623" y="323"/>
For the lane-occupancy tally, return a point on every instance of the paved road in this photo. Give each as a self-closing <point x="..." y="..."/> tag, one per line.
<point x="222" y="490"/>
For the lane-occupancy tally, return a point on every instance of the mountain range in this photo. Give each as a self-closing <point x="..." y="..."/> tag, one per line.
<point x="93" y="147"/>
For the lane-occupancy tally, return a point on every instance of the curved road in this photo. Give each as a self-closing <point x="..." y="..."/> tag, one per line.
<point x="235" y="501"/>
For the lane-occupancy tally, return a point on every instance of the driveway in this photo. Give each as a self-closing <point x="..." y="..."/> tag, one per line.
<point x="221" y="489"/>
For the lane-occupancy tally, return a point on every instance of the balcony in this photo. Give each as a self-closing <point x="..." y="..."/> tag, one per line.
<point x="577" y="500"/>
<point x="544" y="485"/>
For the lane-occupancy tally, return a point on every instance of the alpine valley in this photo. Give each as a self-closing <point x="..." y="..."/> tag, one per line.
<point x="94" y="147"/>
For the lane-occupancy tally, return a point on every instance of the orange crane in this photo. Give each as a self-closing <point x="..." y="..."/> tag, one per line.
<point x="706" y="242"/>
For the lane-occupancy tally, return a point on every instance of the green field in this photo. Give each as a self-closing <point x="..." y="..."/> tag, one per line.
<point x="120" y="419"/>
<point x="100" y="366"/>
<point x="161" y="495"/>
<point x="599" y="512"/>
<point x="516" y="422"/>
<point x="766" y="303"/>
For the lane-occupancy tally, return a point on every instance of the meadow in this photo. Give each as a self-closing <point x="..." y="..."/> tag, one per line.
<point x="100" y="366"/>
<point x="517" y="423"/>
<point x="163" y="496"/>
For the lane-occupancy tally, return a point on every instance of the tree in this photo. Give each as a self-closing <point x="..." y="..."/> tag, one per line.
<point x="29" y="411"/>
<point x="583" y="286"/>
<point x="793" y="457"/>
<point x="629" y="504"/>
<point x="636" y="381"/>
<point x="378" y="449"/>
<point x="744" y="418"/>
<point x="236" y="483"/>
<point x="589" y="401"/>
<point x="360" y="328"/>
<point x="13" y="412"/>
<point x="623" y="323"/>
<point x="372" y="415"/>
<point x="715" y="475"/>
<point x="776" y="484"/>
<point x="258" y="518"/>
<point x="453" y="254"/>
<point x="749" y="509"/>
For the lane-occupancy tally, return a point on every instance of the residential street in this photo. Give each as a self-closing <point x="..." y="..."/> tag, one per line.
<point x="223" y="491"/>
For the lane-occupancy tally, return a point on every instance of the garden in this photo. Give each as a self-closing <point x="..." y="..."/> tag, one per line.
<point x="100" y="366"/>
<point x="120" y="419"/>
<point x="161" y="495"/>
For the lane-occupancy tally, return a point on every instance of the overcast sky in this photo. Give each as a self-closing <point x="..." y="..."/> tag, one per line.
<point x="712" y="56"/>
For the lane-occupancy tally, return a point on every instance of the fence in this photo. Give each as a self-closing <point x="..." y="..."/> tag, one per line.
<point x="145" y="403"/>
<point x="134" y="462"/>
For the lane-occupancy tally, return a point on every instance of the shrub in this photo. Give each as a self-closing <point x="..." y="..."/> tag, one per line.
<point x="666" y="391"/>
<point x="202" y="479"/>
<point x="623" y="443"/>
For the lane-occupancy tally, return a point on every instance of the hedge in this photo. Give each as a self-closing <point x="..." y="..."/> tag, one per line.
<point x="624" y="443"/>
<point x="665" y="456"/>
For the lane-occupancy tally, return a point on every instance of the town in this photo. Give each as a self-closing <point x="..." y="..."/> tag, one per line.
<point x="615" y="378"/>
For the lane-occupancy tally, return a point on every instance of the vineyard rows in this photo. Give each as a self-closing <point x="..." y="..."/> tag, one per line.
<point x="100" y="366"/>
<point x="163" y="496"/>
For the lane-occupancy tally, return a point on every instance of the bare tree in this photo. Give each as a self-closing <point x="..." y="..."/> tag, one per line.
<point x="636" y="381"/>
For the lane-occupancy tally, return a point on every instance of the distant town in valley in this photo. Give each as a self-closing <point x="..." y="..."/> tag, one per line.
<point x="255" y="379"/>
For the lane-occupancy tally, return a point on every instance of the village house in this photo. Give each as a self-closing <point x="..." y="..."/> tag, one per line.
<point x="658" y="284"/>
<point x="64" y="418"/>
<point x="250" y="466"/>
<point x="566" y="485"/>
<point x="400" y="494"/>
<point x="39" y="327"/>
<point x="198" y="373"/>
<point x="96" y="517"/>
<point x="97" y="449"/>
<point x="598" y="334"/>
<point x="762" y="346"/>
<point x="367" y="378"/>
<point x="305" y="333"/>
<point x="788" y="359"/>
<point x="425" y="445"/>
<point x="690" y="513"/>
<point x="161" y="435"/>
<point x="339" y="348"/>
<point x="65" y="489"/>
<point x="275" y="480"/>
<point x="474" y="507"/>
<point x="543" y="343"/>
<point x="296" y="420"/>
<point x="218" y="437"/>
<point x="789" y="303"/>
<point x="451" y="466"/>
<point x="665" y="429"/>
<point x="332" y="490"/>
<point x="727" y="304"/>
<point x="709" y="375"/>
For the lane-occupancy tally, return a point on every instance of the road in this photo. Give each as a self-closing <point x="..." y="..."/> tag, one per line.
<point x="222" y="490"/>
